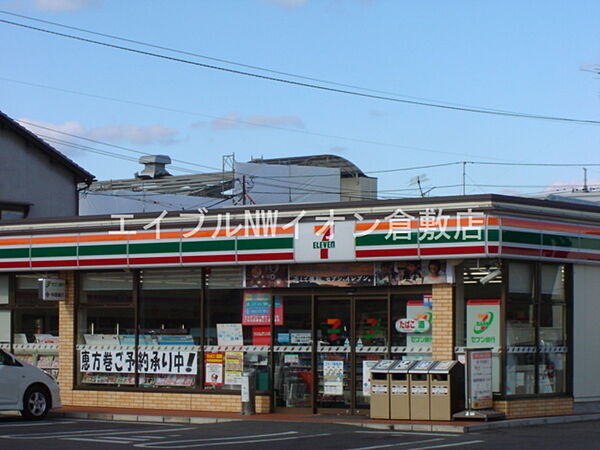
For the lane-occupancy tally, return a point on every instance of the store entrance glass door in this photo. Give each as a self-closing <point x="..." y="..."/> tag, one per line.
<point x="292" y="356"/>
<point x="351" y="334"/>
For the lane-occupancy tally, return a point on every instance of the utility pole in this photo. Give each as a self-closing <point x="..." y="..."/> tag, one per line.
<point x="243" y="189"/>
<point x="585" y="186"/>
<point x="464" y="176"/>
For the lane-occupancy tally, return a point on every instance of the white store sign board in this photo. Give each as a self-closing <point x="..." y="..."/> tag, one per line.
<point x="480" y="378"/>
<point x="52" y="289"/>
<point x="317" y="243"/>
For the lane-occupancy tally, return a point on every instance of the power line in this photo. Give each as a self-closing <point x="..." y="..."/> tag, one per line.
<point x="303" y="84"/>
<point x="54" y="130"/>
<point x="240" y="121"/>
<point x="401" y="169"/>
<point x="85" y="148"/>
<point x="234" y="63"/>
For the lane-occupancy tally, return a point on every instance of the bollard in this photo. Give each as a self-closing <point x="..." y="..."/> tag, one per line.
<point x="248" y="390"/>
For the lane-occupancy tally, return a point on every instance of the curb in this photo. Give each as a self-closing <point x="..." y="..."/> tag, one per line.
<point x="142" y="418"/>
<point x="476" y="427"/>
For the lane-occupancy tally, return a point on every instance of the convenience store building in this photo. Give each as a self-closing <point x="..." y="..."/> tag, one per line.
<point x="309" y="296"/>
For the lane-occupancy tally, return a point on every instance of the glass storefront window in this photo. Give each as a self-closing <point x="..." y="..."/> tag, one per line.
<point x="35" y="324"/>
<point x="536" y="331"/>
<point x="371" y="342"/>
<point x="106" y="328"/>
<point x="521" y="319"/>
<point x="478" y="310"/>
<point x="5" y="314"/>
<point x="333" y="353"/>
<point x="292" y="347"/>
<point x="233" y="346"/>
<point x="411" y="345"/>
<point x="552" y="339"/>
<point x="169" y="328"/>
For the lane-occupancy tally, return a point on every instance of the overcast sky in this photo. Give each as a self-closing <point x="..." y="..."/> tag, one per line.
<point x="504" y="55"/>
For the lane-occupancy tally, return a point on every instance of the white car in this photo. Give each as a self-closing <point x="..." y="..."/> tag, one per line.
<point x="26" y="388"/>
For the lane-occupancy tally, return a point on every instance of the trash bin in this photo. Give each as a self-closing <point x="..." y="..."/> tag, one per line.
<point x="248" y="388"/>
<point x="447" y="387"/>
<point x="419" y="390"/>
<point x="380" y="389"/>
<point x="400" y="390"/>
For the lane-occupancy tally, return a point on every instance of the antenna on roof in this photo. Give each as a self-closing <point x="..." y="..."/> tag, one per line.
<point x="418" y="180"/>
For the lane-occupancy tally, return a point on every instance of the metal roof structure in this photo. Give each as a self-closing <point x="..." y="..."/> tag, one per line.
<point x="216" y="183"/>
<point x="34" y="141"/>
<point x="347" y="168"/>
<point x="199" y="185"/>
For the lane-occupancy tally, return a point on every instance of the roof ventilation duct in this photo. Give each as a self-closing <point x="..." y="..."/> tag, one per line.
<point x="154" y="167"/>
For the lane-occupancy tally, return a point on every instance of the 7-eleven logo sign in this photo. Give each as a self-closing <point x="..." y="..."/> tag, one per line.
<point x="326" y="242"/>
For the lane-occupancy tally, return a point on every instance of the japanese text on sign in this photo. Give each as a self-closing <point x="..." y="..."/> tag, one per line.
<point x="151" y="362"/>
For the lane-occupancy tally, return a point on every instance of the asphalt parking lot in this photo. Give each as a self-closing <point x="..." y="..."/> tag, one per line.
<point x="84" y="434"/>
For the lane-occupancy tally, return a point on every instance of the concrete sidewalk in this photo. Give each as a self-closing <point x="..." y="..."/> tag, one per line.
<point x="201" y="417"/>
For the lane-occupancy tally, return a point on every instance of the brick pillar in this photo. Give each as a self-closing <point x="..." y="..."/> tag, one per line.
<point x="443" y="322"/>
<point x="66" y="330"/>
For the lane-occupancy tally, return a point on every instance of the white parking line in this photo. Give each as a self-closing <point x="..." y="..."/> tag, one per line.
<point x="397" y="444"/>
<point x="455" y="444"/>
<point x="33" y="424"/>
<point x="92" y="433"/>
<point x="237" y="440"/>
<point x="416" y="433"/>
<point x="129" y="422"/>
<point x="103" y="441"/>
<point x="153" y="444"/>
<point x="55" y="434"/>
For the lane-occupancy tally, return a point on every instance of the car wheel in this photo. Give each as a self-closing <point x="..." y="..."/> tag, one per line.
<point x="36" y="403"/>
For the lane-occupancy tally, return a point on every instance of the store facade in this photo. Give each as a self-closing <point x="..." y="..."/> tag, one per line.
<point x="166" y="312"/>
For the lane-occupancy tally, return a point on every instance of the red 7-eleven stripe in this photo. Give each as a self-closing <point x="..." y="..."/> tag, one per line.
<point x="326" y="238"/>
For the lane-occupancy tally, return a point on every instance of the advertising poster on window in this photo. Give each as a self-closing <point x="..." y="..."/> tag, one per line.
<point x="333" y="377"/>
<point x="267" y="276"/>
<point x="331" y="275"/>
<point x="256" y="309"/>
<point x="169" y="362"/>
<point x="261" y="335"/>
<point x="480" y="378"/>
<point x="230" y="334"/>
<point x="396" y="273"/>
<point x="483" y="323"/>
<point x="417" y="311"/>
<point x="483" y="330"/>
<point x="234" y="366"/>
<point x="213" y="369"/>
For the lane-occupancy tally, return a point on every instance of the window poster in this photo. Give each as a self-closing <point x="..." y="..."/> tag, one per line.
<point x="418" y="311"/>
<point x="234" y="366"/>
<point x="213" y="364"/>
<point x="256" y="308"/>
<point x="267" y="276"/>
<point x="334" y="275"/>
<point x="230" y="334"/>
<point x="333" y="377"/>
<point x="149" y="361"/>
<point x="396" y="273"/>
<point x="261" y="335"/>
<point x="483" y="323"/>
